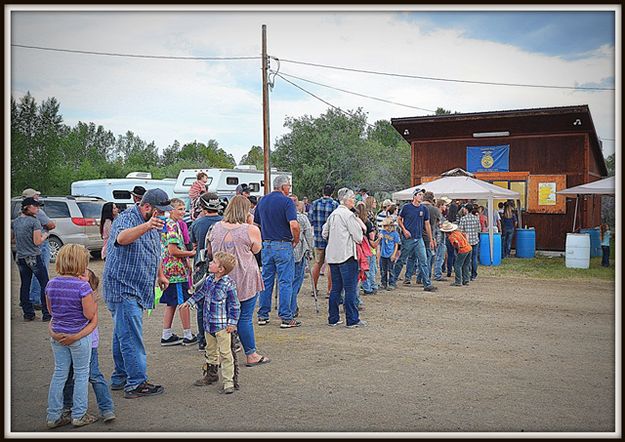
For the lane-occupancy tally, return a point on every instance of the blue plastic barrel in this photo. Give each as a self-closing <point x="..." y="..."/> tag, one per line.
<point x="525" y="243"/>
<point x="485" y="249"/>
<point x="595" y="241"/>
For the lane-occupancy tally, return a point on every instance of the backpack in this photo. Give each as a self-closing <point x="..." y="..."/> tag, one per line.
<point x="200" y="268"/>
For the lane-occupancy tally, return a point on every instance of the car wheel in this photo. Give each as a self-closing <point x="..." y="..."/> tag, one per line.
<point x="55" y="246"/>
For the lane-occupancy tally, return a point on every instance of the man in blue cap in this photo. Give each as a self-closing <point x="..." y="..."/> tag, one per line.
<point x="131" y="269"/>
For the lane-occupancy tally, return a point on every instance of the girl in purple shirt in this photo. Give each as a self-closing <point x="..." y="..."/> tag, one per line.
<point x="73" y="308"/>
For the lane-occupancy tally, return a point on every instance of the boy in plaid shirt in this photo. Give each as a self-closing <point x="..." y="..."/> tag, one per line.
<point x="221" y="314"/>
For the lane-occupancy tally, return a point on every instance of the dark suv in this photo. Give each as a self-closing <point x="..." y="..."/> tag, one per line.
<point x="77" y="220"/>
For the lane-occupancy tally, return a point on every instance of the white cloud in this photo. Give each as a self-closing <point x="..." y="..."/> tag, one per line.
<point x="163" y="100"/>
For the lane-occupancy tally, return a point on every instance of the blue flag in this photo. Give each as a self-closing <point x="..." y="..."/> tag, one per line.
<point x="488" y="158"/>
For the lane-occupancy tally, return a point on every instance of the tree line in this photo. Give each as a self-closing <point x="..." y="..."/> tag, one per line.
<point x="338" y="147"/>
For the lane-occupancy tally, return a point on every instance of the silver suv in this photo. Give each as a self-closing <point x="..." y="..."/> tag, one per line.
<point x="77" y="220"/>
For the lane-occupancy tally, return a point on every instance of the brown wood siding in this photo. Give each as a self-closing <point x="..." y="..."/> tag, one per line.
<point x="549" y="155"/>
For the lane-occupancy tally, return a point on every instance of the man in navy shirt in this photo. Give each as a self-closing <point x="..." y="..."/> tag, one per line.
<point x="277" y="218"/>
<point x="411" y="221"/>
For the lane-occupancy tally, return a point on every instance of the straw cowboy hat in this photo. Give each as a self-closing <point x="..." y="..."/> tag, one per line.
<point x="386" y="203"/>
<point x="448" y="227"/>
<point x="445" y="199"/>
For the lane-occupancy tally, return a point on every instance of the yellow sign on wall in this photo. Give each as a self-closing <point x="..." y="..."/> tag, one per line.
<point x="546" y="194"/>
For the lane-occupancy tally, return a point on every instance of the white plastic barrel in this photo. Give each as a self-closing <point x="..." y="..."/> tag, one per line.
<point x="577" y="250"/>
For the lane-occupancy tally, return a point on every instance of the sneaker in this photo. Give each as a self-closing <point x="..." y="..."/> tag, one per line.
<point x="367" y="293"/>
<point x="172" y="340"/>
<point x="29" y="318"/>
<point x="86" y="419"/>
<point x="393" y="286"/>
<point x="290" y="324"/>
<point x="37" y="306"/>
<point x="187" y="341"/>
<point x="465" y="283"/>
<point x="227" y="390"/>
<point x="407" y="282"/>
<point x="144" y="389"/>
<point x="389" y="288"/>
<point x="455" y="284"/>
<point x="384" y="287"/>
<point x="63" y="420"/>
<point x="118" y="386"/>
<point x="441" y="279"/>
<point x="263" y="321"/>
<point x="201" y="348"/>
<point x="339" y="322"/>
<point x="108" y="416"/>
<point x="360" y="323"/>
<point x="46" y="318"/>
<point x="430" y="288"/>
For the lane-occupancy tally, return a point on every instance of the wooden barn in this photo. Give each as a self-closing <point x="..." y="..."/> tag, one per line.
<point x="535" y="152"/>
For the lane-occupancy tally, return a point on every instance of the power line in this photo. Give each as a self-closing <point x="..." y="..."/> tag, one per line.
<point x="320" y="99"/>
<point x="115" y="54"/>
<point x="420" y="77"/>
<point x="358" y="94"/>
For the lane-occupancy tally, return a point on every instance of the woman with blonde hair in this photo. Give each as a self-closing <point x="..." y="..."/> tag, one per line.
<point x="234" y="235"/>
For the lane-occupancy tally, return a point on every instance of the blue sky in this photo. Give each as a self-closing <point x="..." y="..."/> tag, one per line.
<point x="566" y="34"/>
<point x="167" y="100"/>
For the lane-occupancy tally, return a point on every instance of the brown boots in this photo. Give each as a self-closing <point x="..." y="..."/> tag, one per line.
<point x="210" y="373"/>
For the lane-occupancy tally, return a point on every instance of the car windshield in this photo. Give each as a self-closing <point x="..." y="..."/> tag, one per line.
<point x="91" y="209"/>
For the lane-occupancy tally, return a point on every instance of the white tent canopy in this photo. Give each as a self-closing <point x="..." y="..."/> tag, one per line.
<point x="463" y="187"/>
<point x="600" y="187"/>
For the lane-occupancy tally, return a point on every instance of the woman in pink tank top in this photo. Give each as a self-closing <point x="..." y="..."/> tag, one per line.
<point x="234" y="235"/>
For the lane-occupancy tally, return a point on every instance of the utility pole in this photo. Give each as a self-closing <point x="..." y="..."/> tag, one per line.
<point x="266" y="146"/>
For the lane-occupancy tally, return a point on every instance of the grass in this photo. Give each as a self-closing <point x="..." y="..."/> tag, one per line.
<point x="542" y="267"/>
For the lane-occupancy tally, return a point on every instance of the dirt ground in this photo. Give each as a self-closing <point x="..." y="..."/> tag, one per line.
<point x="502" y="355"/>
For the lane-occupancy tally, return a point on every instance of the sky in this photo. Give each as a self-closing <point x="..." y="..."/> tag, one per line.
<point x="163" y="100"/>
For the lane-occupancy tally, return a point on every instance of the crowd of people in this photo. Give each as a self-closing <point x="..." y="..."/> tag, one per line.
<point x="251" y="246"/>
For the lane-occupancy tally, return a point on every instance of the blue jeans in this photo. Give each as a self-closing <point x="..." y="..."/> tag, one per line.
<point x="344" y="277"/>
<point x="369" y="284"/>
<point x="507" y="242"/>
<point x="77" y="354"/>
<point x="605" y="257"/>
<point x="245" y="326"/>
<point x="429" y="261"/>
<point x="475" y="253"/>
<point x="422" y="259"/>
<point x="451" y="256"/>
<point x="128" y="351"/>
<point x="407" y="254"/>
<point x="439" y="256"/>
<point x="35" y="287"/>
<point x="298" y="280"/>
<point x="277" y="260"/>
<point x="462" y="268"/>
<point x="97" y="381"/>
<point x="26" y="274"/>
<point x="387" y="277"/>
<point x="201" y="339"/>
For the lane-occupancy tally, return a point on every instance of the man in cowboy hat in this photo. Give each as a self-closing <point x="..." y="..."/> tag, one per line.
<point x="137" y="193"/>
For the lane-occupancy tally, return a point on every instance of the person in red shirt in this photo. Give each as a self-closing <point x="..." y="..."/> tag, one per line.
<point x="462" y="264"/>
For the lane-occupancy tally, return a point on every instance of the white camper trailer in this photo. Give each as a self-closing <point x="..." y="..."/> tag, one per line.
<point x="225" y="181"/>
<point x="118" y="190"/>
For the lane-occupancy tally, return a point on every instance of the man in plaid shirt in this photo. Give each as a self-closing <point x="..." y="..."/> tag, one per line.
<point x="321" y="210"/>
<point x="470" y="224"/>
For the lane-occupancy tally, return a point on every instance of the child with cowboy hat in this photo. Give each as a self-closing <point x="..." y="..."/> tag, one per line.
<point x="462" y="265"/>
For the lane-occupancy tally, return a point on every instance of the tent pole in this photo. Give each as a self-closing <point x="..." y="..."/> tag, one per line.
<point x="518" y="204"/>
<point x="575" y="215"/>
<point x="490" y="227"/>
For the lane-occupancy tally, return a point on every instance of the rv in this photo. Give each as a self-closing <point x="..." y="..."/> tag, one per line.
<point x="221" y="181"/>
<point x="225" y="181"/>
<point x="118" y="190"/>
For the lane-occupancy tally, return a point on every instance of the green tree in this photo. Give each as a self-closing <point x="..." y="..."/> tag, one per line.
<point x="609" y="164"/>
<point x="442" y="111"/>
<point x="255" y="157"/>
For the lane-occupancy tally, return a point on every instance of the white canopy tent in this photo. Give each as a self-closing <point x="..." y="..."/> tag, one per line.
<point x="599" y="187"/>
<point x="463" y="187"/>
